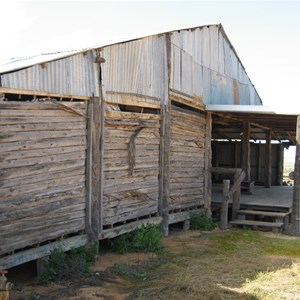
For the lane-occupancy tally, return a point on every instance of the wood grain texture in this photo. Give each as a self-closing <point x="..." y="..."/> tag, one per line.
<point x="187" y="156"/>
<point x="42" y="172"/>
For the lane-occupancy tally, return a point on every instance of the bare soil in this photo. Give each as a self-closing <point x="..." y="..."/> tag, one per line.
<point x="193" y="266"/>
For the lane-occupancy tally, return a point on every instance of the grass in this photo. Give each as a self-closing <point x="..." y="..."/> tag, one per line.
<point x="237" y="264"/>
<point x="208" y="265"/>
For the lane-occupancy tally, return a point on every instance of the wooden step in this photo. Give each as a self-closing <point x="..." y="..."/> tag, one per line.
<point x="263" y="213"/>
<point x="256" y="223"/>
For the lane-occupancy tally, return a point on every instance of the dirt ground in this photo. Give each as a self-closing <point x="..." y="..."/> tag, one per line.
<point x="193" y="266"/>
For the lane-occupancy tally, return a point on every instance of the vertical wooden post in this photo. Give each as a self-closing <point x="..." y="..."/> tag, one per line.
<point x="236" y="154"/>
<point x="89" y="173"/>
<point x="268" y="160"/>
<point x="207" y="165"/>
<point x="165" y="129"/>
<point x="246" y="150"/>
<point x="93" y="170"/>
<point x="236" y="197"/>
<point x="259" y="158"/>
<point x="224" y="205"/>
<point x="296" y="194"/>
<point x="280" y="162"/>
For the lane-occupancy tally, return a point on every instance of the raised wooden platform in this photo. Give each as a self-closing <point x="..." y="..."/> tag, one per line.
<point x="266" y="207"/>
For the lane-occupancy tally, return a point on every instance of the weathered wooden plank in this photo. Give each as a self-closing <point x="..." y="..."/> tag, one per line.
<point x="32" y="135"/>
<point x="40" y="152"/>
<point x="44" y="176"/>
<point x="134" y="185"/>
<point x="14" y="163"/>
<point x="110" y="233"/>
<point x="43" y="143"/>
<point x="185" y="204"/>
<point x="146" y="132"/>
<point x="130" y="180"/>
<point x="112" y="175"/>
<point x="109" y="114"/>
<point x="139" y="208"/>
<point x="22" y="172"/>
<point x="37" y="113"/>
<point x="42" y="199"/>
<point x="141" y="141"/>
<point x="17" y="210"/>
<point x="38" y="119"/>
<point x="40" y="209"/>
<point x="19" y="190"/>
<point x="207" y="165"/>
<point x="39" y="221"/>
<point x="46" y="233"/>
<point x="20" y="199"/>
<point x="43" y="126"/>
<point x="124" y="147"/>
<point x="41" y="251"/>
<point x="96" y="196"/>
<point x="40" y="105"/>
<point x="144" y="152"/>
<point x="186" y="113"/>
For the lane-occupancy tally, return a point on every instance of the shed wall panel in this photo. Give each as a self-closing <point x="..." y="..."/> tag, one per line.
<point x="76" y="75"/>
<point x="131" y="166"/>
<point x="136" y="67"/>
<point x="42" y="178"/>
<point x="186" y="158"/>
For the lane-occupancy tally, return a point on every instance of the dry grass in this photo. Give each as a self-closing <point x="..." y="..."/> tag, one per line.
<point x="280" y="284"/>
<point x="230" y="265"/>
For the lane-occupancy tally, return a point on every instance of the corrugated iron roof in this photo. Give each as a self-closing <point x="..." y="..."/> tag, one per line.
<point x="24" y="62"/>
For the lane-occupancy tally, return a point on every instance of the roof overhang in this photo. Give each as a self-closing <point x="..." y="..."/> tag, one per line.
<point x="228" y="120"/>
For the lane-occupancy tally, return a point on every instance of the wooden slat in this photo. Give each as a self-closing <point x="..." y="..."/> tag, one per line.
<point x="35" y="253"/>
<point x="37" y="127"/>
<point x="257" y="223"/>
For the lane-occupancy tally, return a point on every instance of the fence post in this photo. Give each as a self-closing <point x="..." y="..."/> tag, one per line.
<point x="224" y="206"/>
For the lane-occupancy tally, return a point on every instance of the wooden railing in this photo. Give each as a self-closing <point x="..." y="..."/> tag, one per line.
<point x="234" y="192"/>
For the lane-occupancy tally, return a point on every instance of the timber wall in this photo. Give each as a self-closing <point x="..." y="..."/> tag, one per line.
<point x="186" y="158"/>
<point x="131" y="166"/>
<point x="42" y="177"/>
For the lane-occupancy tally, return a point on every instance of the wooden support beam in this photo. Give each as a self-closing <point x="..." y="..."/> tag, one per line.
<point x="165" y="131"/>
<point x="296" y="195"/>
<point x="235" y="192"/>
<point x="93" y="171"/>
<point x="268" y="160"/>
<point x="224" y="205"/>
<point x="280" y="162"/>
<point x="259" y="159"/>
<point x="207" y="165"/>
<point x="246" y="150"/>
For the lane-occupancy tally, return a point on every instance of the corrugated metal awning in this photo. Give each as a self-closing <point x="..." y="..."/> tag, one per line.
<point x="228" y="120"/>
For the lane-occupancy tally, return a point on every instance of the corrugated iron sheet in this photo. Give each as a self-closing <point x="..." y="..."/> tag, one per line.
<point x="138" y="67"/>
<point x="75" y="75"/>
<point x="208" y="49"/>
<point x="204" y="64"/>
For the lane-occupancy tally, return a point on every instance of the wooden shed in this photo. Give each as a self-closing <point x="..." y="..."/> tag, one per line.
<point x="97" y="142"/>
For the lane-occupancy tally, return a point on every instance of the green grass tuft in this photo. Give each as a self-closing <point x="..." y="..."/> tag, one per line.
<point x="200" y="221"/>
<point x="145" y="239"/>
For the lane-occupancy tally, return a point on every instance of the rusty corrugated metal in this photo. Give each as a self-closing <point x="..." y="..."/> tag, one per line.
<point x="74" y="75"/>
<point x="209" y="50"/>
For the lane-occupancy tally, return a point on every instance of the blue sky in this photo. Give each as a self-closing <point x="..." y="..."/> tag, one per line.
<point x="265" y="34"/>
